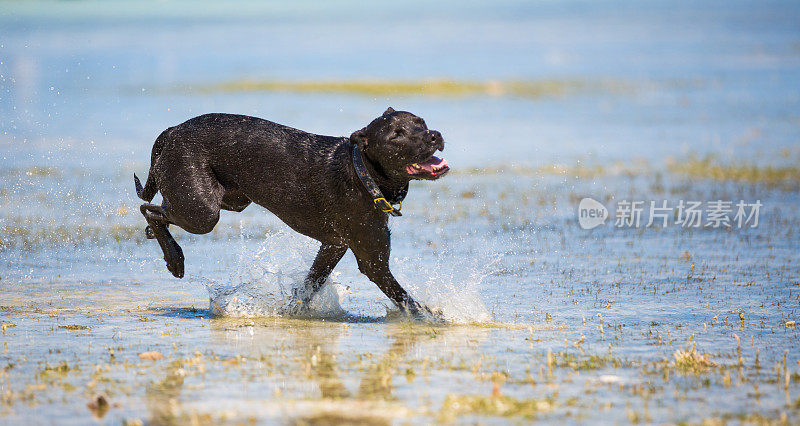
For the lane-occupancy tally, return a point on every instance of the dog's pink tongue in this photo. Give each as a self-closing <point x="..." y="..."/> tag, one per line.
<point x="433" y="164"/>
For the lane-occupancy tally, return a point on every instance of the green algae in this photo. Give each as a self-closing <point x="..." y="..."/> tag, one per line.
<point x="430" y="87"/>
<point x="710" y="167"/>
<point x="455" y="406"/>
<point x="75" y="327"/>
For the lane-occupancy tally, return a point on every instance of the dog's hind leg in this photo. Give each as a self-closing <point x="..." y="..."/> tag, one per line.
<point x="157" y="222"/>
<point x="327" y="258"/>
<point x="158" y="213"/>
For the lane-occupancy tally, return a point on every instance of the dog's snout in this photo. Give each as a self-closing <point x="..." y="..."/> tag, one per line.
<point x="436" y="139"/>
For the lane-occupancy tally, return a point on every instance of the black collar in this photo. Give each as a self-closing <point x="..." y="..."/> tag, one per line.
<point x="377" y="196"/>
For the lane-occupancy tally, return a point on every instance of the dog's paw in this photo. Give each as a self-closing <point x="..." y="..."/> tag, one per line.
<point x="296" y="308"/>
<point x="425" y="314"/>
<point x="175" y="261"/>
<point x="435" y="315"/>
<point x="438" y="315"/>
<point x="175" y="268"/>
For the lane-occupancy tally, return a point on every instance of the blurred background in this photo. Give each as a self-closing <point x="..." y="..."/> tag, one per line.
<point x="533" y="82"/>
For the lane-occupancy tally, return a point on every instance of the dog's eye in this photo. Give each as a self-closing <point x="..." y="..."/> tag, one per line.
<point x="399" y="131"/>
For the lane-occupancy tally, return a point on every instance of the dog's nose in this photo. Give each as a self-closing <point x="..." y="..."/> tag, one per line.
<point x="436" y="139"/>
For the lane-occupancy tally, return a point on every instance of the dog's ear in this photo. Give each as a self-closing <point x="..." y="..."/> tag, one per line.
<point x="388" y="111"/>
<point x="359" y="137"/>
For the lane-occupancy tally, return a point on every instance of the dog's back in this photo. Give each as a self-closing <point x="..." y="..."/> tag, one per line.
<point x="236" y="157"/>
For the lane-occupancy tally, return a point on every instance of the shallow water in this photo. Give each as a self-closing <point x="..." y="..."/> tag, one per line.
<point x="546" y="320"/>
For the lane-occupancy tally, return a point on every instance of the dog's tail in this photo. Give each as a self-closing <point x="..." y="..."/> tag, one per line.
<point x="149" y="190"/>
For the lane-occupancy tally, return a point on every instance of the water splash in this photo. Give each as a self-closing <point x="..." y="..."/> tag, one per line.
<point x="266" y="298"/>
<point x="266" y="279"/>
<point x="449" y="287"/>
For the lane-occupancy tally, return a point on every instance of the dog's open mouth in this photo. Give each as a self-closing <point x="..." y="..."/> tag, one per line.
<point x="431" y="168"/>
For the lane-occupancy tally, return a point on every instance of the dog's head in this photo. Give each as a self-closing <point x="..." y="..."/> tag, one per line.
<point x="401" y="144"/>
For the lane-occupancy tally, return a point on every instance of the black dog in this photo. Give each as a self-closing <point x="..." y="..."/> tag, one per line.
<point x="336" y="190"/>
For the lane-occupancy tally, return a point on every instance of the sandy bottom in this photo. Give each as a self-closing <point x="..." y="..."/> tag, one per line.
<point x="545" y="321"/>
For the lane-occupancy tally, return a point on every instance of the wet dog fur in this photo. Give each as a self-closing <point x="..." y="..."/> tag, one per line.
<point x="225" y="162"/>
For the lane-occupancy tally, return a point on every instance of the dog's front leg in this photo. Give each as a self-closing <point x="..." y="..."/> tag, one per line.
<point x="327" y="258"/>
<point x="373" y="262"/>
<point x="383" y="278"/>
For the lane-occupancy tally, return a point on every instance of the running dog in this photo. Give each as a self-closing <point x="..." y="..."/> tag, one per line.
<point x="338" y="190"/>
